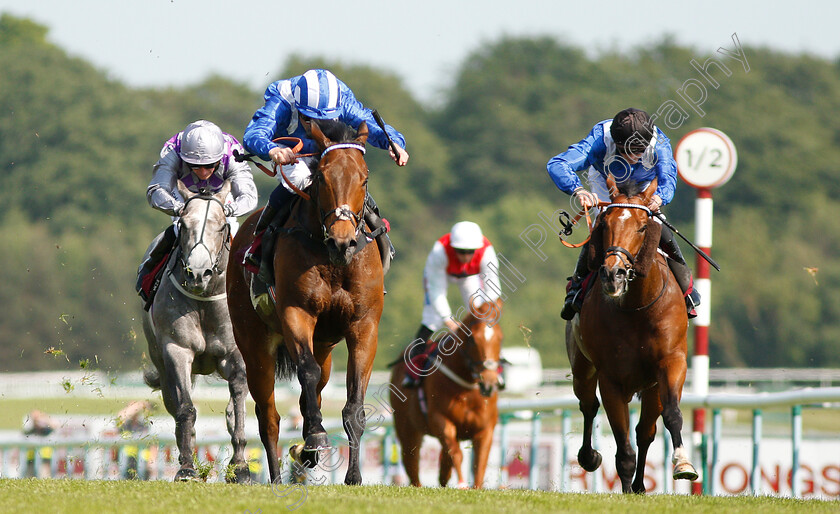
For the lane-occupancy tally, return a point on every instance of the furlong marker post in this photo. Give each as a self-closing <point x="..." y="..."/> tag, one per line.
<point x="706" y="158"/>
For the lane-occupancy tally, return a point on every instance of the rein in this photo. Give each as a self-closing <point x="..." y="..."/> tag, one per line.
<point x="661" y="292"/>
<point x="569" y="223"/>
<point x="474" y="367"/>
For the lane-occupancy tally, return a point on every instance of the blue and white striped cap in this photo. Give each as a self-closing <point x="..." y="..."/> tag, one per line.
<point x="317" y="95"/>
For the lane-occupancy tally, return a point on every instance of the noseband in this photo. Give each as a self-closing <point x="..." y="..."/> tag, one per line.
<point x="216" y="264"/>
<point x="628" y="260"/>
<point x="341" y="212"/>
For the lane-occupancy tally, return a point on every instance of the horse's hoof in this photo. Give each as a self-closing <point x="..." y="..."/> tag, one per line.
<point x="317" y="442"/>
<point x="186" y="475"/>
<point x="241" y="475"/>
<point x="685" y="471"/>
<point x="304" y="457"/>
<point x="353" y="478"/>
<point x="589" y="462"/>
<point x="463" y="485"/>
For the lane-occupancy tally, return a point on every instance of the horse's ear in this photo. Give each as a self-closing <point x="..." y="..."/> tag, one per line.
<point x="648" y="192"/>
<point x="595" y="249"/>
<point x="318" y="136"/>
<point x="183" y="191"/>
<point x="612" y="188"/>
<point x="362" y="133"/>
<point x="647" y="254"/>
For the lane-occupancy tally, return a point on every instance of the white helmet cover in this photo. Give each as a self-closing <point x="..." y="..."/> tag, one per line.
<point x="202" y="143"/>
<point x="466" y="235"/>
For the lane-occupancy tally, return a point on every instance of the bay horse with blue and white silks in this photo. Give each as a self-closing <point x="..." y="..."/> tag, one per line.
<point x="328" y="286"/>
<point x="630" y="338"/>
<point x="456" y="400"/>
<point x="188" y="328"/>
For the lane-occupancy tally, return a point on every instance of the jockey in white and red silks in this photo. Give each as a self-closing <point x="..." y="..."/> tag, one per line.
<point x="467" y="259"/>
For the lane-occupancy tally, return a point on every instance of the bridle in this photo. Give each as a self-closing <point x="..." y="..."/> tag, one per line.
<point x="628" y="260"/>
<point x="184" y="259"/>
<point x="475" y="367"/>
<point x="342" y="212"/>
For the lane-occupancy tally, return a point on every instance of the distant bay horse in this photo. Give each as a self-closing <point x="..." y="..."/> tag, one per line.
<point x="457" y="401"/>
<point x="328" y="286"/>
<point x="188" y="328"/>
<point x="630" y="338"/>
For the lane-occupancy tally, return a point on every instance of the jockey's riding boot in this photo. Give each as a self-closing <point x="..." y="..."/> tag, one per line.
<point x="252" y="255"/>
<point x="574" y="298"/>
<point x="386" y="248"/>
<point x="681" y="271"/>
<point x="284" y="199"/>
<point x="269" y="239"/>
<point x="423" y="333"/>
<point x="163" y="244"/>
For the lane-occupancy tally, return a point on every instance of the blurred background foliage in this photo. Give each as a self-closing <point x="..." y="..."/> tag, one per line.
<point x="77" y="148"/>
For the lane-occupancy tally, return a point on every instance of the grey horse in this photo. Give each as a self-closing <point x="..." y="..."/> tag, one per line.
<point x="189" y="331"/>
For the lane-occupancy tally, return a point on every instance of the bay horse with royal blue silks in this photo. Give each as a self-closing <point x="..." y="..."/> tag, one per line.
<point x="328" y="285"/>
<point x="630" y="338"/>
<point x="457" y="398"/>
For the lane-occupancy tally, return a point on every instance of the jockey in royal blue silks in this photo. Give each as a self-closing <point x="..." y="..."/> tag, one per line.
<point x="289" y="105"/>
<point x="635" y="152"/>
<point x="201" y="157"/>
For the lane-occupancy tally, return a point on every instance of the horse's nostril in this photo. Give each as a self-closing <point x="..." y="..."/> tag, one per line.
<point x="208" y="273"/>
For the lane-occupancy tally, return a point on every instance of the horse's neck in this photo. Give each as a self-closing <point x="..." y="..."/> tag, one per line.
<point x="457" y="360"/>
<point x="644" y="290"/>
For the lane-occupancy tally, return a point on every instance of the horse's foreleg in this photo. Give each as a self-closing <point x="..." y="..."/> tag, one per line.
<point x="615" y="405"/>
<point x="361" y="344"/>
<point x="178" y="363"/>
<point x="482" y="443"/>
<point x="233" y="370"/>
<point x="584" y="383"/>
<point x="450" y="452"/>
<point x="645" y="433"/>
<point x="298" y="328"/>
<point x="670" y="390"/>
<point x="411" y="440"/>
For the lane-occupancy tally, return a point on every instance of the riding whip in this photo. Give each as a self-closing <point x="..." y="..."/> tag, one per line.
<point x="700" y="252"/>
<point x="381" y="124"/>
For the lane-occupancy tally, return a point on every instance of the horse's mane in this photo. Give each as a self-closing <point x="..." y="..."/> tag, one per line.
<point x="337" y="131"/>
<point x="630" y="188"/>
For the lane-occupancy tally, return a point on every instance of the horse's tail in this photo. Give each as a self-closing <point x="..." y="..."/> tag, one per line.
<point x="152" y="378"/>
<point x="286" y="367"/>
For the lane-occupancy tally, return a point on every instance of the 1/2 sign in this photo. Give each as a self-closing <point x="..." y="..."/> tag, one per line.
<point x="706" y="158"/>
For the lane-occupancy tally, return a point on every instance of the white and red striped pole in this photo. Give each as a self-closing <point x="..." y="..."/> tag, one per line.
<point x="703" y="210"/>
<point x="706" y="158"/>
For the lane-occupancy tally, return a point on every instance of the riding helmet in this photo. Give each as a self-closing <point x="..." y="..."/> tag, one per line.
<point x="317" y="95"/>
<point x="466" y="235"/>
<point x="632" y="130"/>
<point x="202" y="143"/>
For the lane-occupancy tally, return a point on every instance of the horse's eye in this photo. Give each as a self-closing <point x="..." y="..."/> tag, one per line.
<point x="641" y="230"/>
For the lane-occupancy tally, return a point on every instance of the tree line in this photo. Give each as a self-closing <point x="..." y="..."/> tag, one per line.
<point x="77" y="149"/>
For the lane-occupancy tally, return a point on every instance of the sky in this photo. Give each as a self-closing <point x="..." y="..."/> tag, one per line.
<point x="159" y="43"/>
